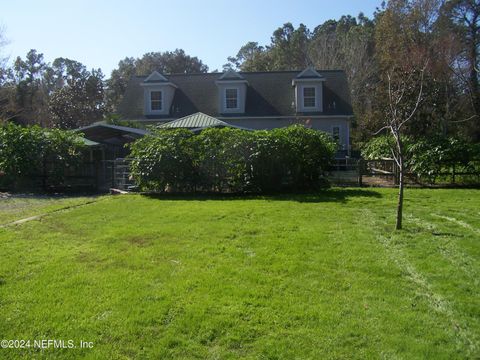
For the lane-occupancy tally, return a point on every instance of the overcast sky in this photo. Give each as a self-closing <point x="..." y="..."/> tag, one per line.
<point x="100" y="33"/>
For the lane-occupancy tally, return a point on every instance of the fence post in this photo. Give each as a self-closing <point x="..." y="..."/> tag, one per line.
<point x="360" y="171"/>
<point x="453" y="173"/>
<point x="113" y="173"/>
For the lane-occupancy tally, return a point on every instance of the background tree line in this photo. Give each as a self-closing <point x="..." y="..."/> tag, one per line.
<point x="403" y="36"/>
<point x="64" y="94"/>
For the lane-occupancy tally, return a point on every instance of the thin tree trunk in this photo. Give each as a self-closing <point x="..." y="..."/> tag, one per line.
<point x="398" y="225"/>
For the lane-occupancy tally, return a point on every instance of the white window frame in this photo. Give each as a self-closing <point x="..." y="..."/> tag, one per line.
<point x="309" y="97"/>
<point x="151" y="101"/>
<point x="225" y="100"/>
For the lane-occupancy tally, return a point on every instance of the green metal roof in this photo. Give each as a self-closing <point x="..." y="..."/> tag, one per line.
<point x="196" y="121"/>
<point x="90" y="142"/>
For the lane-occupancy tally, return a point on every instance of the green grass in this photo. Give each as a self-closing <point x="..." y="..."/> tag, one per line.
<point x="290" y="277"/>
<point x="19" y="207"/>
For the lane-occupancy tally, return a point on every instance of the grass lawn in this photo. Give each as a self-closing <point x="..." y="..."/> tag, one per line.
<point x="19" y="207"/>
<point x="291" y="277"/>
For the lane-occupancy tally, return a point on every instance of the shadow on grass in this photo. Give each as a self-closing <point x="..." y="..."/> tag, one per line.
<point x="329" y="195"/>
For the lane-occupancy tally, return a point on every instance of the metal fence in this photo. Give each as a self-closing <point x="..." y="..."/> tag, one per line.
<point x="54" y="177"/>
<point x="385" y="172"/>
<point x="122" y="178"/>
<point x="360" y="172"/>
<point x="104" y="175"/>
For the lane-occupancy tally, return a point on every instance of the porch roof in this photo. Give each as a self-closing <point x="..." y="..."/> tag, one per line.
<point x="197" y="121"/>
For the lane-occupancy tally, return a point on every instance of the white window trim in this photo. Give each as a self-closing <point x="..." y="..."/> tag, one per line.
<point x="225" y="98"/>
<point x="150" y="101"/>
<point x="299" y="98"/>
<point x="315" y="106"/>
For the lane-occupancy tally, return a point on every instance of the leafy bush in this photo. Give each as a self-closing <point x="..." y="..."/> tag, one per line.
<point x="221" y="157"/>
<point x="290" y="158"/>
<point x="427" y="157"/>
<point x="232" y="160"/>
<point x="430" y="157"/>
<point x="164" y="159"/>
<point x="25" y="152"/>
<point x="380" y="147"/>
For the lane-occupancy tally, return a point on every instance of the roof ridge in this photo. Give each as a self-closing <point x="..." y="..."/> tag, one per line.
<point x="243" y="72"/>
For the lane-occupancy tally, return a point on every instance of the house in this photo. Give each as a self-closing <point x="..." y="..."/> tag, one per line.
<point x="249" y="100"/>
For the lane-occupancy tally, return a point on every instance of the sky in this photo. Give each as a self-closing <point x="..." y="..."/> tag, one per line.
<point x="100" y="33"/>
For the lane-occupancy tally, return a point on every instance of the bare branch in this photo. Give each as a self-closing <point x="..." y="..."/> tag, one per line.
<point x="380" y="130"/>
<point x="463" y="120"/>
<point x="392" y="110"/>
<point x="419" y="99"/>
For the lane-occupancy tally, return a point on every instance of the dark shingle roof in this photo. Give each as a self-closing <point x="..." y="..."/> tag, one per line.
<point x="268" y="94"/>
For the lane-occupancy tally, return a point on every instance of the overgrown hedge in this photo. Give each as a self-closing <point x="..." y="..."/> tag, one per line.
<point x="232" y="160"/>
<point x="428" y="157"/>
<point x="25" y="153"/>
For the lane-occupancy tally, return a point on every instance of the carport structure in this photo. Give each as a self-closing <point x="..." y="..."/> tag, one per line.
<point x="112" y="137"/>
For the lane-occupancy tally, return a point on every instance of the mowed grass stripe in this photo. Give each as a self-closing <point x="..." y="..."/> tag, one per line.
<point x="465" y="337"/>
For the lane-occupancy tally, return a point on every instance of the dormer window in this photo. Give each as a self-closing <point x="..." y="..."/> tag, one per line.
<point x="309" y="91"/>
<point x="156" y="101"/>
<point x="309" y="97"/>
<point x="158" y="93"/>
<point x="231" y="98"/>
<point x="232" y="93"/>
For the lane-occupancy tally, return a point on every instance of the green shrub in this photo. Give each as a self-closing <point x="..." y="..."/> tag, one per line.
<point x="291" y="158"/>
<point x="27" y="152"/>
<point x="163" y="159"/>
<point x="427" y="158"/>
<point x="221" y="157"/>
<point x="232" y="160"/>
<point x="380" y="147"/>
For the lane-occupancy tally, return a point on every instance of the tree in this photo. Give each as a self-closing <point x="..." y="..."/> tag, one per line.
<point x="169" y="62"/>
<point x="5" y="81"/>
<point x="407" y="33"/>
<point x="116" y="85"/>
<point x="29" y="93"/>
<point x="250" y="57"/>
<point x="465" y="18"/>
<point x="401" y="86"/>
<point x="79" y="103"/>
<point x="289" y="47"/>
<point x="63" y="94"/>
<point x="67" y="72"/>
<point x="348" y="44"/>
<point x="3" y="59"/>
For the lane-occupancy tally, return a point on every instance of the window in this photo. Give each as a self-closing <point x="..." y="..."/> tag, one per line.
<point x="309" y="98"/>
<point x="155" y="100"/>
<point x="231" y="98"/>
<point x="336" y="133"/>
